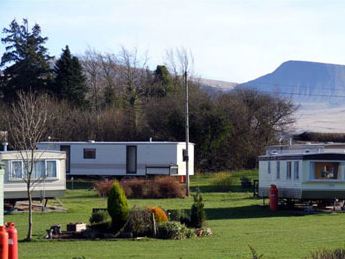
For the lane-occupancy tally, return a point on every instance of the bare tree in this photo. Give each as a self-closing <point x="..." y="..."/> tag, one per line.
<point x="27" y="124"/>
<point x="91" y="66"/>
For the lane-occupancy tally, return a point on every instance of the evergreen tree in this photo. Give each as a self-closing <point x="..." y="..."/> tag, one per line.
<point x="25" y="61"/>
<point x="162" y="83"/>
<point x="197" y="213"/>
<point x="70" y="83"/>
<point x="117" y="206"/>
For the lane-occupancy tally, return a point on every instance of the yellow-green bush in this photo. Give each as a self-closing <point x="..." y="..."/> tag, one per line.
<point x="222" y="181"/>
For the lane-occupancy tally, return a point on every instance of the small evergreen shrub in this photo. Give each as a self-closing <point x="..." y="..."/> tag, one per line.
<point x="117" y="206"/>
<point x="159" y="214"/>
<point x="174" y="230"/>
<point x="140" y="222"/>
<point x="222" y="181"/>
<point x="99" y="216"/>
<point x="103" y="187"/>
<point x="197" y="214"/>
<point x="338" y="253"/>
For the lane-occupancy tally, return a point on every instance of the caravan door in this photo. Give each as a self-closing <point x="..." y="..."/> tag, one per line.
<point x="131" y="160"/>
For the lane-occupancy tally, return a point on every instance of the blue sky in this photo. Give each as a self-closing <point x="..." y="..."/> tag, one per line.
<point x="230" y="40"/>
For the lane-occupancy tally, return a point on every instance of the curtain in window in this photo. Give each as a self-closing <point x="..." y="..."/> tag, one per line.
<point x="51" y="169"/>
<point x="17" y="170"/>
<point x="39" y="169"/>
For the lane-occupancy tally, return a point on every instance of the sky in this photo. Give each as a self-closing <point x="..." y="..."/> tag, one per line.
<point x="231" y="40"/>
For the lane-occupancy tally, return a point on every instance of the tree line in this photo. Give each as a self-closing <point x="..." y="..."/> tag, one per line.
<point x="116" y="97"/>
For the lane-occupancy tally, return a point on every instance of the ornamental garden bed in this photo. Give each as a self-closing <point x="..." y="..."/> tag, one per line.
<point x="118" y="221"/>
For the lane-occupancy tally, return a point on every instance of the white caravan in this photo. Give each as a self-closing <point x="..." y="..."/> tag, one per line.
<point x="93" y="158"/>
<point x="49" y="174"/>
<point x="304" y="171"/>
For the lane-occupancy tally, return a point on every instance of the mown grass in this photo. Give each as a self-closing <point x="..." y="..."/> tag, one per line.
<point x="236" y="219"/>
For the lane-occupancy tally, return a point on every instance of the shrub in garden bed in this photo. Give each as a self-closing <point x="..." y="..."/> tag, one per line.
<point x="99" y="216"/>
<point x="140" y="222"/>
<point x="174" y="230"/>
<point x="100" y="221"/>
<point x="181" y="216"/>
<point x="197" y="213"/>
<point x="159" y="213"/>
<point x="117" y="206"/>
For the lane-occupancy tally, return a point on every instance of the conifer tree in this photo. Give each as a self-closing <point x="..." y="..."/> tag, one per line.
<point x="25" y="62"/>
<point x="70" y="82"/>
<point x="117" y="206"/>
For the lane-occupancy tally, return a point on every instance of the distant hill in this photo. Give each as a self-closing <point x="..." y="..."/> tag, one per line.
<point x="304" y="82"/>
<point x="317" y="88"/>
<point x="215" y="86"/>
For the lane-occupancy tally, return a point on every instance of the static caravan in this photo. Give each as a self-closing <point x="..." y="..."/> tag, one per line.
<point x="304" y="171"/>
<point x="49" y="174"/>
<point x="124" y="158"/>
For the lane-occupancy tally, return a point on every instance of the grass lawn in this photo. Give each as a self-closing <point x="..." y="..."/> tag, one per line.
<point x="236" y="219"/>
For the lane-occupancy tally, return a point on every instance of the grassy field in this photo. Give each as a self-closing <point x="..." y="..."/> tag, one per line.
<point x="236" y="219"/>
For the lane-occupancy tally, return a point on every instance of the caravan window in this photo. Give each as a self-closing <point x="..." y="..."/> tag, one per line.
<point x="296" y="169"/>
<point x="51" y="169"/>
<point x="16" y="170"/>
<point x="89" y="153"/>
<point x="42" y="169"/>
<point x="288" y="170"/>
<point x="324" y="170"/>
<point x="269" y="167"/>
<point x="278" y="169"/>
<point x="39" y="169"/>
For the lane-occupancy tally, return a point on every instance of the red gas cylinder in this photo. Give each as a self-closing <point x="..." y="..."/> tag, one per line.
<point x="182" y="178"/>
<point x="12" y="241"/>
<point x="273" y="197"/>
<point x="3" y="243"/>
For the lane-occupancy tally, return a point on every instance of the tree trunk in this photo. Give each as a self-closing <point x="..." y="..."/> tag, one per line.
<point x="29" y="234"/>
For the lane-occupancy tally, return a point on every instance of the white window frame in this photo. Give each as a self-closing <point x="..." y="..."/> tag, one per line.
<point x="45" y="177"/>
<point x="56" y="167"/>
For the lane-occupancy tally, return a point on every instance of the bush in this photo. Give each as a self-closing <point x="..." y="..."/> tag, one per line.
<point x="159" y="187"/>
<point x="174" y="230"/>
<point x="197" y="214"/>
<point x="140" y="222"/>
<point x="338" y="253"/>
<point x="159" y="213"/>
<point x="168" y="187"/>
<point x="104" y="226"/>
<point x="181" y="216"/>
<point x="117" y="206"/>
<point x="222" y="181"/>
<point x="103" y="187"/>
<point x="99" y="216"/>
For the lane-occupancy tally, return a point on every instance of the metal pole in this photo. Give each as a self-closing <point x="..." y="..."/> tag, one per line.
<point x="187" y="133"/>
